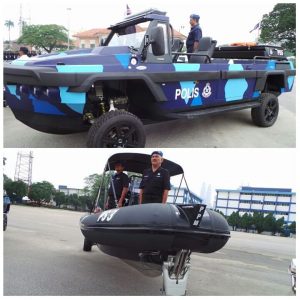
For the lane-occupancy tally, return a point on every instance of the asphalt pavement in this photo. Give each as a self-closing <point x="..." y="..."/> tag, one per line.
<point x="227" y="130"/>
<point x="43" y="256"/>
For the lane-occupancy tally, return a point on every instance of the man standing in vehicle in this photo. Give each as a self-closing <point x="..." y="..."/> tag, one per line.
<point x="23" y="53"/>
<point x="192" y="42"/>
<point x="118" y="187"/>
<point x="155" y="184"/>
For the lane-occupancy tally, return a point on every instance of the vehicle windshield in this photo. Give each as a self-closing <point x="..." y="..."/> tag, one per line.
<point x="131" y="36"/>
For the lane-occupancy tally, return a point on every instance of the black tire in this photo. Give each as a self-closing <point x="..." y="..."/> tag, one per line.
<point x="87" y="245"/>
<point x="266" y="114"/>
<point x="117" y="129"/>
<point x="4" y="222"/>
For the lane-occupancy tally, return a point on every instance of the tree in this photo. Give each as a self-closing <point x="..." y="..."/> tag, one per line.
<point x="279" y="26"/>
<point x="270" y="223"/>
<point x="9" y="24"/>
<point x="59" y="198"/>
<point x="93" y="183"/>
<point x="246" y="221"/>
<point x="73" y="200"/>
<point x="258" y="221"/>
<point x="279" y="225"/>
<point x="5" y="180"/>
<point x="16" y="190"/>
<point x="292" y="227"/>
<point x="41" y="191"/>
<point x="220" y="212"/>
<point x="234" y="220"/>
<point x="86" y="201"/>
<point x="47" y="37"/>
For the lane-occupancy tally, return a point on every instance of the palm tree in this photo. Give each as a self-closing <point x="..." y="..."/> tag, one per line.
<point x="9" y="24"/>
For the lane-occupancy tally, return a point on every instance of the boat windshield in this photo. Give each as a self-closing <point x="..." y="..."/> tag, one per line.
<point x="131" y="36"/>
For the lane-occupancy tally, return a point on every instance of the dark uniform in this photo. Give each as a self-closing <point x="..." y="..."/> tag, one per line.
<point x="120" y="181"/>
<point x="194" y="36"/>
<point x="154" y="184"/>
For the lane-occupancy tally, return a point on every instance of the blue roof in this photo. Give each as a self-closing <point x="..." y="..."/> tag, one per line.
<point x="254" y="190"/>
<point x="266" y="189"/>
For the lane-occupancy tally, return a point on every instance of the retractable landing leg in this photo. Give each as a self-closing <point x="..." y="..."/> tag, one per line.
<point x="175" y="274"/>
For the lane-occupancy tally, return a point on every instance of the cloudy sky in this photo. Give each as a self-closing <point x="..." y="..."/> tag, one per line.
<point x="225" y="21"/>
<point x="220" y="168"/>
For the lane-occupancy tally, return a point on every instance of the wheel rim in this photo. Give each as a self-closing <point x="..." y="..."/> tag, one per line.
<point x="271" y="110"/>
<point x="121" y="136"/>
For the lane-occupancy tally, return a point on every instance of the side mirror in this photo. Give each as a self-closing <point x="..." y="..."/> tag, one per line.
<point x="157" y="41"/>
<point x="102" y="41"/>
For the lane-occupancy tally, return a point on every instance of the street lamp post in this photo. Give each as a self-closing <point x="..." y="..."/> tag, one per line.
<point x="69" y="12"/>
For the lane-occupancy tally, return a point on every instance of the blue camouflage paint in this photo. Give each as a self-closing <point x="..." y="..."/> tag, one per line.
<point x="256" y="94"/>
<point x="80" y="68"/>
<point x="290" y="80"/>
<point x="271" y="65"/>
<point x="187" y="85"/>
<point x="13" y="90"/>
<point x="197" y="101"/>
<point x="19" y="62"/>
<point x="186" y="67"/>
<point x="123" y="59"/>
<point x="62" y="54"/>
<point x="44" y="107"/>
<point x="235" y="88"/>
<point x="75" y="101"/>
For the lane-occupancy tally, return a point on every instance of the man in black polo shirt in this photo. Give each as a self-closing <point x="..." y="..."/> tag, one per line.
<point x="118" y="187"/>
<point x="155" y="184"/>
<point x="195" y="34"/>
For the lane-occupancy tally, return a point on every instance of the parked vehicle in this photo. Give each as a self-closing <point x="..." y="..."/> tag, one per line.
<point x="138" y="76"/>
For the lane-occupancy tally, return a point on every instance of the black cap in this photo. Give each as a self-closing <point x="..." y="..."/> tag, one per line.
<point x="119" y="162"/>
<point x="157" y="152"/>
<point x="24" y="49"/>
<point x="195" y="17"/>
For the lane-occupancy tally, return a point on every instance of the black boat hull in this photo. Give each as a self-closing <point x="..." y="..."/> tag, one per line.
<point x="156" y="227"/>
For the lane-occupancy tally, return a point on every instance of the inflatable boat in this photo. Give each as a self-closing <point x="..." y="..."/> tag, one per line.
<point x="154" y="233"/>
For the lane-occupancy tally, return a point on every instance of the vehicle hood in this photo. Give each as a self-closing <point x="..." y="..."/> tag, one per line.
<point x="114" y="55"/>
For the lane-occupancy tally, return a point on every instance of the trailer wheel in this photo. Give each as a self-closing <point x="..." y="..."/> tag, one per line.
<point x="87" y="245"/>
<point x="117" y="129"/>
<point x="266" y="114"/>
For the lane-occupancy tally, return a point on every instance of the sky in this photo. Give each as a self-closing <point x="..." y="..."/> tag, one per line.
<point x="226" y="21"/>
<point x="220" y="168"/>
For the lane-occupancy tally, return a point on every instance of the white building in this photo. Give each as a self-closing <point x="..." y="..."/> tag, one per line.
<point x="70" y="191"/>
<point x="280" y="202"/>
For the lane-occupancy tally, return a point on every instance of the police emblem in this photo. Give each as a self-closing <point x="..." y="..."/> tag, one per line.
<point x="206" y="90"/>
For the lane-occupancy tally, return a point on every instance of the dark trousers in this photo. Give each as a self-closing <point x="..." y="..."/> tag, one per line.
<point x="6" y="208"/>
<point x="111" y="202"/>
<point x="151" y="199"/>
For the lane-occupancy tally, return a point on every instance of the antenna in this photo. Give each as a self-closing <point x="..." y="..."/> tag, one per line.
<point x="23" y="169"/>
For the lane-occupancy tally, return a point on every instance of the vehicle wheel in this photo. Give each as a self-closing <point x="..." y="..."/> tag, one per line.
<point x="4" y="222"/>
<point x="117" y="129"/>
<point x="87" y="245"/>
<point x="266" y="114"/>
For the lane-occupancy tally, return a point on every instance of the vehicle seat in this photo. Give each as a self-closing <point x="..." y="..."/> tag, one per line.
<point x="133" y="193"/>
<point x="206" y="48"/>
<point x="176" y="47"/>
